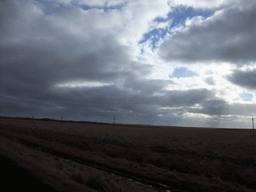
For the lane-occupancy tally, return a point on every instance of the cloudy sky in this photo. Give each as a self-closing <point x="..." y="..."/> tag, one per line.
<point x="164" y="62"/>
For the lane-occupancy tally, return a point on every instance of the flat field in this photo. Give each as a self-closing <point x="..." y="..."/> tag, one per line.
<point x="86" y="156"/>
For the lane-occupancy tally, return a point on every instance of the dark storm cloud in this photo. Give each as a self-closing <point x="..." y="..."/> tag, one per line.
<point x="147" y="87"/>
<point x="8" y="14"/>
<point x="245" y="79"/>
<point x="185" y="98"/>
<point x="219" y="108"/>
<point x="42" y="49"/>
<point x="37" y="52"/>
<point x="103" y="103"/>
<point x="11" y="108"/>
<point x="215" y="107"/>
<point x="229" y="35"/>
<point x="55" y="55"/>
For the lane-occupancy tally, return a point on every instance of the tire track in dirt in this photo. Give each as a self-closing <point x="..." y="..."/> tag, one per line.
<point x="161" y="185"/>
<point x="97" y="165"/>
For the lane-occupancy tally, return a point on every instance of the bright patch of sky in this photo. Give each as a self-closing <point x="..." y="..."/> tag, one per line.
<point x="176" y="17"/>
<point x="246" y="96"/>
<point x="183" y="72"/>
<point x="165" y="64"/>
<point x="84" y="84"/>
<point x="182" y="13"/>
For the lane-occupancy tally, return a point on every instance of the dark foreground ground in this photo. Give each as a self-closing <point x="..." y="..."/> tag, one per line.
<point x="90" y="157"/>
<point x="15" y="178"/>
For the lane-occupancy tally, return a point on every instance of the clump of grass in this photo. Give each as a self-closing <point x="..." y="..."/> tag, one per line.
<point x="96" y="182"/>
<point x="247" y="178"/>
<point x="78" y="177"/>
<point x="129" y="154"/>
<point x="99" y="183"/>
<point x="59" y="165"/>
<point x="226" y="171"/>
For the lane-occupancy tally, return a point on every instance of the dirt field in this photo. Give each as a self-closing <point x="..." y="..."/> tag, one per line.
<point x="14" y="178"/>
<point x="84" y="156"/>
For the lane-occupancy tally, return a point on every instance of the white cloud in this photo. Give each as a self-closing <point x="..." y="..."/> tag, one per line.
<point x="82" y="84"/>
<point x="227" y="36"/>
<point x="108" y="3"/>
<point x="88" y="61"/>
<point x="141" y="15"/>
<point x="203" y="4"/>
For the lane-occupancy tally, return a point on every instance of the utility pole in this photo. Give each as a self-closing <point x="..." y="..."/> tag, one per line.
<point x="114" y="121"/>
<point x="252" y="126"/>
<point x="61" y="118"/>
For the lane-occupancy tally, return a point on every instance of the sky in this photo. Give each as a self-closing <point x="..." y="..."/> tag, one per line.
<point x="165" y="62"/>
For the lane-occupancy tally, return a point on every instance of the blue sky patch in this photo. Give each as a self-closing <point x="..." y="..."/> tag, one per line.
<point x="177" y="17"/>
<point x="246" y="96"/>
<point x="154" y="35"/>
<point x="183" y="72"/>
<point x="182" y="13"/>
<point x="209" y="73"/>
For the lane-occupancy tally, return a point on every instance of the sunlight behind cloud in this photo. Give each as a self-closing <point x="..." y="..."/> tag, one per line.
<point x="82" y="84"/>
<point x="161" y="60"/>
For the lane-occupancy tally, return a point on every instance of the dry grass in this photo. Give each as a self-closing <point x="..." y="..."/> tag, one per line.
<point x="189" y="159"/>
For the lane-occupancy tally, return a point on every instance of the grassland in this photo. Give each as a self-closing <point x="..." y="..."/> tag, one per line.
<point x="86" y="156"/>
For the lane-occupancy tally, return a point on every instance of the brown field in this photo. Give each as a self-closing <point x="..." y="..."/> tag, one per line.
<point x="86" y="156"/>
